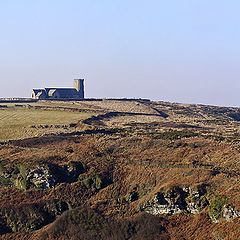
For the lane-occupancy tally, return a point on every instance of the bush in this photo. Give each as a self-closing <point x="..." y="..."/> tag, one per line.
<point x="93" y="181"/>
<point x="216" y="207"/>
<point x="5" y="182"/>
<point x="21" y="183"/>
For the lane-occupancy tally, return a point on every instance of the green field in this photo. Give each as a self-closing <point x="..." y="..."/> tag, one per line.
<point x="19" y="123"/>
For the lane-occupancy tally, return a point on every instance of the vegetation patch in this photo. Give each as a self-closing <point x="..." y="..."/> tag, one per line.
<point x="94" y="180"/>
<point x="216" y="207"/>
<point x="31" y="217"/>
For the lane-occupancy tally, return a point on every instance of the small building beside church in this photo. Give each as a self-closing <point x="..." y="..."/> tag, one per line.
<point x="77" y="92"/>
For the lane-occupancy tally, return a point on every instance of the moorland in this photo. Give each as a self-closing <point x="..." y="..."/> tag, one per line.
<point x="119" y="169"/>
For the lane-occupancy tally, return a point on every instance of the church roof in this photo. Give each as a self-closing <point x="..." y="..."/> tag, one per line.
<point x="38" y="90"/>
<point x="62" y="92"/>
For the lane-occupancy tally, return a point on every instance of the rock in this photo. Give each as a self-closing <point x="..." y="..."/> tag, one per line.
<point x="41" y="177"/>
<point x="166" y="203"/>
<point x="196" y="199"/>
<point x="44" y="176"/>
<point x="230" y="213"/>
<point x="190" y="200"/>
<point x="176" y="200"/>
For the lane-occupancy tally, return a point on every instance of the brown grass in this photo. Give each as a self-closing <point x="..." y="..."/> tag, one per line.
<point x="146" y="157"/>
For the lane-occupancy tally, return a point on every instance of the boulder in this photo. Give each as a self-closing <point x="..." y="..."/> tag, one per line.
<point x="230" y="213"/>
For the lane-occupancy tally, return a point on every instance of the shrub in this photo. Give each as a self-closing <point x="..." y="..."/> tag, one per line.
<point x="216" y="207"/>
<point x="21" y="183"/>
<point x="93" y="181"/>
<point x="5" y="182"/>
<point x="22" y="170"/>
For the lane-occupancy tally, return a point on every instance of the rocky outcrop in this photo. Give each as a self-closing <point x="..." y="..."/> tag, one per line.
<point x="230" y="213"/>
<point x="39" y="176"/>
<point x="42" y="177"/>
<point x="177" y="200"/>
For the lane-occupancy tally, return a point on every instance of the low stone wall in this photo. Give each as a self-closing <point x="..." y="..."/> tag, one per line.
<point x="17" y="100"/>
<point x="27" y="100"/>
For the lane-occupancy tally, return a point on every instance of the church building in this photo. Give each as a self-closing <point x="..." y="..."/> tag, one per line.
<point x="77" y="92"/>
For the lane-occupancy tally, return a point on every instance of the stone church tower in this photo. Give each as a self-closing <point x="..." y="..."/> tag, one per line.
<point x="79" y="86"/>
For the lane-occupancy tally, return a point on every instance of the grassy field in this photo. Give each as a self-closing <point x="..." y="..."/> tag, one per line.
<point x="18" y="123"/>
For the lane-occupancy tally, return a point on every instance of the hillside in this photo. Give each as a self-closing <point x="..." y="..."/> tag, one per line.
<point x="119" y="169"/>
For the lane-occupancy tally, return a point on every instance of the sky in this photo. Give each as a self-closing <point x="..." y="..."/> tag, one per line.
<point x="171" y="50"/>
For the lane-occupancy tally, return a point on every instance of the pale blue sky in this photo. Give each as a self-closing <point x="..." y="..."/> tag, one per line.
<point x="173" y="50"/>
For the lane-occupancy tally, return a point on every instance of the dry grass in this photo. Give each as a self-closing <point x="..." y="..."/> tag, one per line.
<point x="194" y="145"/>
<point x="19" y="123"/>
